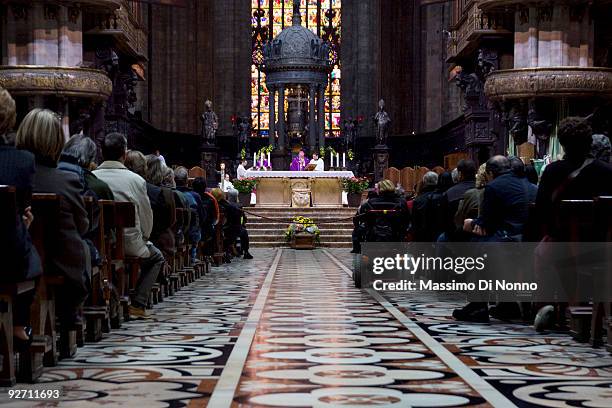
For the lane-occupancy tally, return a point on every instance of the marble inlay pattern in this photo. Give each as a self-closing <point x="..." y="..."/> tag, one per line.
<point x="531" y="369"/>
<point x="323" y="343"/>
<point x="174" y="359"/>
<point x="292" y="331"/>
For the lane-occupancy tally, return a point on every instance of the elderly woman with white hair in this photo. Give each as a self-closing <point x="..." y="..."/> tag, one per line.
<point x="79" y="157"/>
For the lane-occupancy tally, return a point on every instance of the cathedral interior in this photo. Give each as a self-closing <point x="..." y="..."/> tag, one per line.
<point x="390" y="88"/>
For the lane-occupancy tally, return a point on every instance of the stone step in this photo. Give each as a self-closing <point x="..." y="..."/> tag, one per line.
<point x="279" y="237"/>
<point x="280" y="232"/>
<point x="288" y="217"/>
<point x="283" y="244"/>
<point x="282" y="226"/>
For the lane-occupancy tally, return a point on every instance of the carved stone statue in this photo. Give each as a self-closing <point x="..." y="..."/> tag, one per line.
<point x="517" y="124"/>
<point x="243" y="127"/>
<point x="541" y="128"/>
<point x="382" y="121"/>
<point x="210" y="124"/>
<point x="350" y="132"/>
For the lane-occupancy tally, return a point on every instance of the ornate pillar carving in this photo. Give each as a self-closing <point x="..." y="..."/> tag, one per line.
<point x="321" y="116"/>
<point x="312" y="132"/>
<point x="272" y="105"/>
<point x="281" y="117"/>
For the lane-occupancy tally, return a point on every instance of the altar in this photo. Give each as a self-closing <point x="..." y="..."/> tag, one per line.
<point x="299" y="188"/>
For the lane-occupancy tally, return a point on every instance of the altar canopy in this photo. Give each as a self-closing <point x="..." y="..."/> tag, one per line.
<point x="299" y="188"/>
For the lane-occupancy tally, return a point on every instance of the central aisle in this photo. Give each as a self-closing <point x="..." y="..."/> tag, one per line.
<point x="319" y="342"/>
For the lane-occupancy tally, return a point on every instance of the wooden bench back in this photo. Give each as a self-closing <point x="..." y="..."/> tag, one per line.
<point x="577" y="220"/>
<point x="125" y="217"/>
<point x="45" y="227"/>
<point x="8" y="208"/>
<point x="603" y="217"/>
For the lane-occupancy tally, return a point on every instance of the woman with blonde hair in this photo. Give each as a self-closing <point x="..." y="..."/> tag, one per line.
<point x="41" y="134"/>
<point x="381" y="226"/>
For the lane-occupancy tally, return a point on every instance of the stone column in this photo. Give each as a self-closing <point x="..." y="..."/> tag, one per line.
<point x="312" y="131"/>
<point x="281" y="117"/>
<point x="272" y="135"/>
<point x="321" y="116"/>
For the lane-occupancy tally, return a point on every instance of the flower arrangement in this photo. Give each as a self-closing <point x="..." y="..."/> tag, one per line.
<point x="245" y="185"/>
<point x="243" y="154"/>
<point x="351" y="154"/>
<point x="302" y="225"/>
<point x="265" y="150"/>
<point x="331" y="151"/>
<point x="321" y="151"/>
<point x="355" y="184"/>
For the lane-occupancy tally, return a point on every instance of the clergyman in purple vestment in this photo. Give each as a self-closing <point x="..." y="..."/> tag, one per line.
<point x="300" y="162"/>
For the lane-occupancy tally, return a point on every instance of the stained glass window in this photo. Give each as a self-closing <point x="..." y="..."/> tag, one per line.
<point x="269" y="18"/>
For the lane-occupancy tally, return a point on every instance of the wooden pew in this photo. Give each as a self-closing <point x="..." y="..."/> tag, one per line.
<point x="602" y="312"/>
<point x="577" y="223"/>
<point x="392" y="174"/>
<point x="125" y="217"/>
<point x="9" y="293"/>
<point x="96" y="311"/>
<point x="44" y="232"/>
<point x="112" y="264"/>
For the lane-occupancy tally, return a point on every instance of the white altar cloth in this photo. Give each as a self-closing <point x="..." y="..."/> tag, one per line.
<point x="299" y="174"/>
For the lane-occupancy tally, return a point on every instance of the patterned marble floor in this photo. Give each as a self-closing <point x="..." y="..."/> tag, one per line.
<point x="289" y="329"/>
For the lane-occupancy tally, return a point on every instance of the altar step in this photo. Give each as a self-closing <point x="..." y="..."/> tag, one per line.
<point x="269" y="232"/>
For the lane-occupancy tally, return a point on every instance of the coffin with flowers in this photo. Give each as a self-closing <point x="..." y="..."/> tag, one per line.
<point x="302" y="233"/>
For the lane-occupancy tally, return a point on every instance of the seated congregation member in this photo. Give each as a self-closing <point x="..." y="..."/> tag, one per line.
<point x="228" y="187"/>
<point x="502" y="217"/>
<point x="359" y="226"/>
<point x="179" y="202"/>
<point x="194" y="201"/>
<point x="234" y="226"/>
<point x="163" y="204"/>
<point x="504" y="208"/>
<point x="601" y="148"/>
<point x="162" y="200"/>
<point x="532" y="174"/>
<point x="466" y="180"/>
<point x="79" y="156"/>
<point x="211" y="211"/>
<point x="469" y="206"/>
<point x="129" y="186"/>
<point x="518" y="168"/>
<point x="20" y="261"/>
<point x="41" y="133"/>
<point x="382" y="227"/>
<point x="445" y="182"/>
<point x="428" y="211"/>
<point x="579" y="176"/>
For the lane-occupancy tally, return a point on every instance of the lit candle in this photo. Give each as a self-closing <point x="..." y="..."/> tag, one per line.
<point x="255" y="160"/>
<point x="343" y="160"/>
<point x="337" y="159"/>
<point x="269" y="159"/>
<point x="331" y="160"/>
